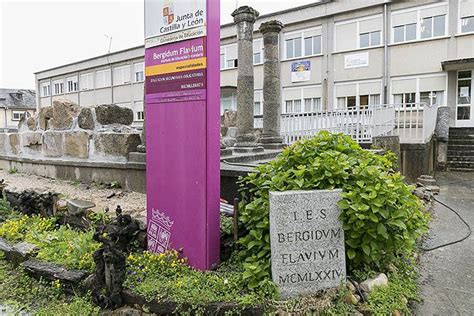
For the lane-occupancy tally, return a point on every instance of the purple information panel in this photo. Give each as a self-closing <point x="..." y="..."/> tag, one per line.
<point x="182" y="96"/>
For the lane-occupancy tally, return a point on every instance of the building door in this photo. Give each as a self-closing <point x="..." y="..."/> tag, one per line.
<point x="465" y="103"/>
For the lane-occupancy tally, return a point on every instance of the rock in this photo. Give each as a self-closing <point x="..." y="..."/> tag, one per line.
<point x="369" y="284"/>
<point x="88" y="282"/>
<point x="14" y="140"/>
<point x="5" y="246"/>
<point x="232" y="132"/>
<point x="396" y="313"/>
<point x="116" y="144"/>
<point x="51" y="271"/>
<point x="113" y="114"/>
<point x="44" y="116"/>
<point x="229" y="118"/>
<point x="76" y="144"/>
<point x="61" y="206"/>
<point x="32" y="142"/>
<point x="53" y="144"/>
<point x="419" y="193"/>
<point x="229" y="141"/>
<point x="433" y="188"/>
<point x="426" y="180"/>
<point x="32" y="123"/>
<point x="3" y="143"/>
<point x="85" y="119"/>
<point x="111" y="195"/>
<point x="23" y="251"/>
<point x="350" y="286"/>
<point x="142" y="223"/>
<point x="31" y="202"/>
<point x="351" y="299"/>
<point x="126" y="311"/>
<point x="392" y="268"/>
<point x="64" y="112"/>
<point x="79" y="207"/>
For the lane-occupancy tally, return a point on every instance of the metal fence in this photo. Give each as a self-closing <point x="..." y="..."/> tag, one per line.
<point x="413" y="123"/>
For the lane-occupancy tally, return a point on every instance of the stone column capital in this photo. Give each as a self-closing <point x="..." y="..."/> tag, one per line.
<point x="273" y="26"/>
<point x="245" y="14"/>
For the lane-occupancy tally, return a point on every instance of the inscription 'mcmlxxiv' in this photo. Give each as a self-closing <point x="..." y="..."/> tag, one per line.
<point x="307" y="241"/>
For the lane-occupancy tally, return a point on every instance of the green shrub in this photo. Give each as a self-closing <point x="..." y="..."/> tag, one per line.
<point x="381" y="217"/>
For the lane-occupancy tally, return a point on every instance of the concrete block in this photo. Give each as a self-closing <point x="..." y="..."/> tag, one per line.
<point x="53" y="144"/>
<point x="76" y="144"/>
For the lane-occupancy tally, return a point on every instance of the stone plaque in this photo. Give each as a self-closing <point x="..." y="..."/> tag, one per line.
<point x="307" y="241"/>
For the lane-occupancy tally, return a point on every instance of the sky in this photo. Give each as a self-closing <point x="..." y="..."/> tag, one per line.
<point x="37" y="34"/>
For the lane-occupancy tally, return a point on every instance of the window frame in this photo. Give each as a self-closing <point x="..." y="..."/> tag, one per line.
<point x="460" y="32"/>
<point x="58" y="83"/>
<point x="121" y="69"/>
<point x="259" y="40"/>
<point x="418" y="23"/>
<point x="106" y="84"/>
<point x="74" y="84"/>
<point x="46" y="85"/>
<point x="140" y="71"/>
<point x="226" y="61"/>
<point x="370" y="39"/>
<point x="90" y="81"/>
<point x="20" y="113"/>
<point x="300" y="35"/>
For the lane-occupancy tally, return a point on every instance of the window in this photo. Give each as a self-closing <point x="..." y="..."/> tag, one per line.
<point x="229" y="57"/>
<point x="312" y="45"/>
<point x="58" y="87"/>
<point x="433" y="26"/>
<point x="139" y="75"/>
<point x="369" y="39"/>
<point x="86" y="81"/>
<point x="45" y="89"/>
<point x="16" y="115"/>
<point x="122" y="75"/>
<point x="293" y="48"/>
<point x="405" y="99"/>
<point x="140" y="115"/>
<point x="346" y="102"/>
<point x="257" y="52"/>
<point x="228" y="102"/>
<point x="404" y="33"/>
<point x="257" y="108"/>
<point x="467" y="24"/>
<point x="257" y="58"/>
<point x="464" y="87"/>
<point x="432" y="97"/>
<point x="303" y="46"/>
<point x="72" y="84"/>
<point x="102" y="78"/>
<point x="293" y="106"/>
<point x="312" y="105"/>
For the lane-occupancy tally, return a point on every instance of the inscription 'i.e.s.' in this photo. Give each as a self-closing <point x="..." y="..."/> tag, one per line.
<point x="310" y="215"/>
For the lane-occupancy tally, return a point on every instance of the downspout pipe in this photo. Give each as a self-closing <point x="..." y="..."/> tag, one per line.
<point x="385" y="53"/>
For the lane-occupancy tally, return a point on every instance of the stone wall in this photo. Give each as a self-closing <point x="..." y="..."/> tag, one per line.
<point x="67" y="131"/>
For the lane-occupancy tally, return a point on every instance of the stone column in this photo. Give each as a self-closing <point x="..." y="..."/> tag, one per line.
<point x="271" y="85"/>
<point x="244" y="19"/>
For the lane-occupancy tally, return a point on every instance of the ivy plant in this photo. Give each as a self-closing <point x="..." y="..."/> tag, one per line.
<point x="381" y="217"/>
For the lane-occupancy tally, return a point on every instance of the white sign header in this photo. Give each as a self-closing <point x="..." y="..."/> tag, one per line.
<point x="164" y="17"/>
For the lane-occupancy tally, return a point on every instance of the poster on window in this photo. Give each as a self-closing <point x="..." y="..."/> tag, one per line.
<point x="301" y="71"/>
<point x="168" y="21"/>
<point x="356" y="60"/>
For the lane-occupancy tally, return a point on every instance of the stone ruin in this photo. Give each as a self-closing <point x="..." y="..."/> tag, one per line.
<point x="68" y="131"/>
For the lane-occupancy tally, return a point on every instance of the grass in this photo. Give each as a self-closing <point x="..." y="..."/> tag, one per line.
<point x="65" y="246"/>
<point x="20" y="292"/>
<point x="166" y="277"/>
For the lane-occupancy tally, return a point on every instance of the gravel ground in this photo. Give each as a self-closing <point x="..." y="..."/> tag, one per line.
<point x="132" y="203"/>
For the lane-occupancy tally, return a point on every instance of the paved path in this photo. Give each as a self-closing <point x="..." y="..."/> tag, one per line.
<point x="448" y="272"/>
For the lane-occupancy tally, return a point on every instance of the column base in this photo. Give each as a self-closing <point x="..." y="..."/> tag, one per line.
<point x="272" y="142"/>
